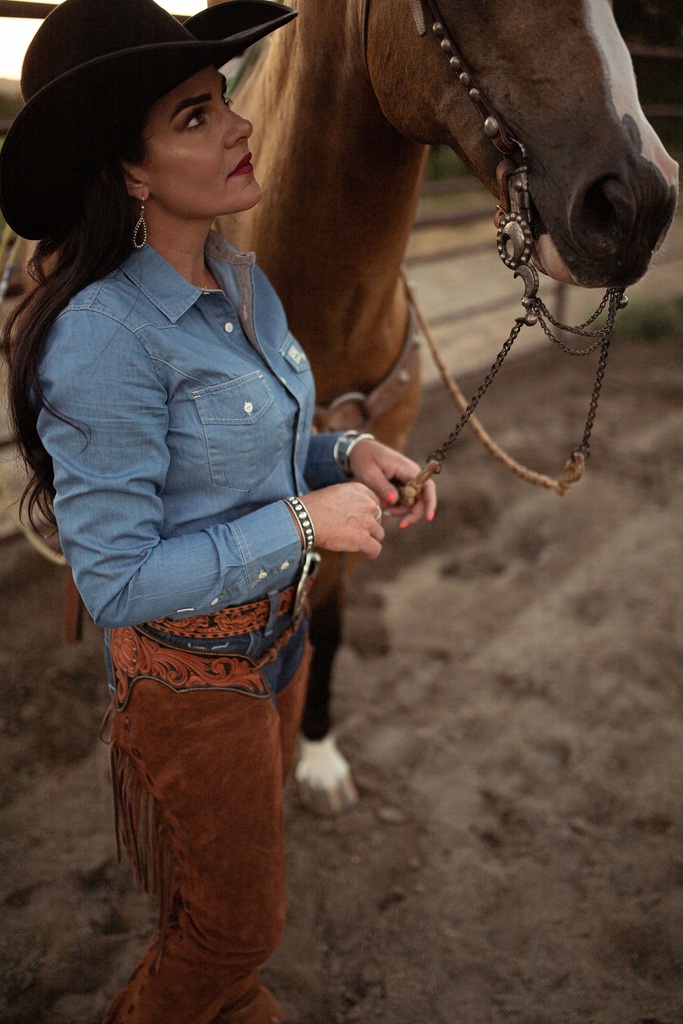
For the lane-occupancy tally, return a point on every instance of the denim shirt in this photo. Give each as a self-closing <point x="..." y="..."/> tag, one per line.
<point x="183" y="420"/>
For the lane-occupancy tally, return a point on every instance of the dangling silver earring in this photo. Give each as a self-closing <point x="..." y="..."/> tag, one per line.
<point x="140" y="224"/>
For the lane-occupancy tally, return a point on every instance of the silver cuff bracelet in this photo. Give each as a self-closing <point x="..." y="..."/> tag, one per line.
<point x="344" y="445"/>
<point x="304" y="520"/>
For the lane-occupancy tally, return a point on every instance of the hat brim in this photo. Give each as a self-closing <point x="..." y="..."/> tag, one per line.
<point x="63" y="136"/>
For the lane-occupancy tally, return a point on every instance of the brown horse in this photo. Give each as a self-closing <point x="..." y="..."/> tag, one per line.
<point x="343" y="102"/>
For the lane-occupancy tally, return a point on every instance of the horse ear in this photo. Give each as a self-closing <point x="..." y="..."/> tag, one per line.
<point x="418" y="15"/>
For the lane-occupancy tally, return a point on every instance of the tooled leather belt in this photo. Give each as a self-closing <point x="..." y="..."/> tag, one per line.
<point x="136" y="653"/>
<point x="242" y="618"/>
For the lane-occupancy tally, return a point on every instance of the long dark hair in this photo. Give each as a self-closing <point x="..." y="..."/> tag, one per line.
<point x="89" y="249"/>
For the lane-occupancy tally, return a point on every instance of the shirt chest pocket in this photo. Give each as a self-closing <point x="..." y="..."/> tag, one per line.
<point x="244" y="431"/>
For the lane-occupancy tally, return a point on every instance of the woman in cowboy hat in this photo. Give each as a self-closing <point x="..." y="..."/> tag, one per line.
<point x="164" y="411"/>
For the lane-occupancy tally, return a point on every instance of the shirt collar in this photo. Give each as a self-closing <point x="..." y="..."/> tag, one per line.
<point x="170" y="292"/>
<point x="221" y="249"/>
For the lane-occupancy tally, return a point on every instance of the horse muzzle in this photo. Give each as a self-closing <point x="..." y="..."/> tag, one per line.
<point x="614" y="222"/>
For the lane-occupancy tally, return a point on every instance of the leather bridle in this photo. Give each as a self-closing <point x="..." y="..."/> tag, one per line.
<point x="427" y="11"/>
<point x="515" y="241"/>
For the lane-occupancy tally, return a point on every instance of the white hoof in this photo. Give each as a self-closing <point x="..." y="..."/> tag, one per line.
<point x="324" y="777"/>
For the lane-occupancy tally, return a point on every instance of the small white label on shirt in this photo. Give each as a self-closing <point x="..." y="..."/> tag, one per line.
<point x="296" y="354"/>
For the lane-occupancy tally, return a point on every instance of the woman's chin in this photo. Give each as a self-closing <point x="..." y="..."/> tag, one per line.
<point x="244" y="197"/>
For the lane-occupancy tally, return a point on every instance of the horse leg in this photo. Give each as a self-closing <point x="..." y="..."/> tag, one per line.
<point x="323" y="774"/>
<point x="325" y="632"/>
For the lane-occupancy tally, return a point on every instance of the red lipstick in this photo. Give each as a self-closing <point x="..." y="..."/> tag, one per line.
<point x="243" y="167"/>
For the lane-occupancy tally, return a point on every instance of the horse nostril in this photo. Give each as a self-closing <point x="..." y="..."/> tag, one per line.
<point x="607" y="210"/>
<point x="597" y="208"/>
<point x="615" y="217"/>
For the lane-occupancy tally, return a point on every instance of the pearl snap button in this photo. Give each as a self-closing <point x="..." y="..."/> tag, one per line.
<point x="248" y="407"/>
<point x="215" y="601"/>
<point x="262" y="575"/>
<point x="285" y="565"/>
<point x="228" y="327"/>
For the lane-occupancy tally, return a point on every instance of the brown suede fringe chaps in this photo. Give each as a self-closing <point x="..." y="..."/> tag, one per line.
<point x="198" y="777"/>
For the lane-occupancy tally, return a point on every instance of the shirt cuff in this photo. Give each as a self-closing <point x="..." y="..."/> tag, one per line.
<point x="269" y="543"/>
<point x="321" y="469"/>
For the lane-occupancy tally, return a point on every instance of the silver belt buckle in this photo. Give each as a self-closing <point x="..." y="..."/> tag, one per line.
<point x="310" y="568"/>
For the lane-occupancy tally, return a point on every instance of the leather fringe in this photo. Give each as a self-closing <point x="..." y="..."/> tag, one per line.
<point x="142" y="832"/>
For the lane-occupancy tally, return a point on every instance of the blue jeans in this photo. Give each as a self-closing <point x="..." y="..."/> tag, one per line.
<point x="278" y="673"/>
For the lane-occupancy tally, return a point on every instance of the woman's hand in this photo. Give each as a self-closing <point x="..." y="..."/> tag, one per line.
<point x="376" y="465"/>
<point x="345" y="518"/>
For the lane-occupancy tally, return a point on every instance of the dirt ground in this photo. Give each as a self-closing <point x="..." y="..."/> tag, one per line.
<point x="509" y="694"/>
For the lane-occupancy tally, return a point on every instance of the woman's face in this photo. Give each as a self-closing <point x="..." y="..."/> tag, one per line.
<point x="197" y="162"/>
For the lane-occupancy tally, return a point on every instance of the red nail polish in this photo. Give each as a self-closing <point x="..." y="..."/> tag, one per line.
<point x="402" y="526"/>
<point x="392" y="496"/>
<point x="430" y="516"/>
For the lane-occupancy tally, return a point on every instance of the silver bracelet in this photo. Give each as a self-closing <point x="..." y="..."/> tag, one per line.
<point x="344" y="445"/>
<point x="304" y="520"/>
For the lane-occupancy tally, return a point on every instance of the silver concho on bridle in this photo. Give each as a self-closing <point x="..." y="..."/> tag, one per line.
<point x="515" y="240"/>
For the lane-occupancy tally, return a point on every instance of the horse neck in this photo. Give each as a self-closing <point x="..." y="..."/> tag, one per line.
<point x="340" y="190"/>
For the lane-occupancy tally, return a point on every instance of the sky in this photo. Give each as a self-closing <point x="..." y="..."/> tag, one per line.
<point x="17" y="33"/>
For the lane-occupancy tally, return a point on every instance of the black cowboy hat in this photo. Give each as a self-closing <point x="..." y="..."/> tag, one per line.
<point x="91" y="68"/>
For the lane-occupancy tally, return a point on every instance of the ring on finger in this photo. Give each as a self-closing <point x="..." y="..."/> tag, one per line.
<point x="379" y="513"/>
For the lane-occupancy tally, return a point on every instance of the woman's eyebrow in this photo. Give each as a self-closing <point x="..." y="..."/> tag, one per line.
<point x="190" y="102"/>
